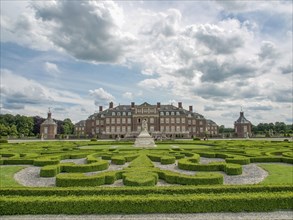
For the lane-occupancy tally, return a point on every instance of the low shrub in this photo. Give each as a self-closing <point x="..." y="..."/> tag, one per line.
<point x="238" y="160"/>
<point x="168" y="159"/>
<point x="119" y="160"/>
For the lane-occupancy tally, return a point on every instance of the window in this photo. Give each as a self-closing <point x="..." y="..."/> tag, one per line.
<point x="177" y="113"/>
<point x="145" y="110"/>
<point x="152" y="128"/>
<point x="129" y="120"/>
<point x="172" y="128"/>
<point x="167" y="129"/>
<point x="107" y="128"/>
<point x="172" y="120"/>
<point x="129" y="113"/>
<point x="162" y="120"/>
<point x="172" y="113"/>
<point x="97" y="122"/>
<point x="161" y="113"/>
<point x="177" y="120"/>
<point x="123" y="128"/>
<point x="45" y="130"/>
<point x="101" y="122"/>
<point x="201" y="129"/>
<point x="139" y="110"/>
<point x="123" y="120"/>
<point x="107" y="120"/>
<point x="97" y="130"/>
<point x="178" y="128"/>
<point x="162" y="128"/>
<point x="113" y="129"/>
<point x="151" y="120"/>
<point x="182" y="120"/>
<point x="112" y="120"/>
<point x="128" y="128"/>
<point x="167" y="120"/>
<point x="123" y="113"/>
<point x="245" y="128"/>
<point x="200" y="122"/>
<point x="118" y="113"/>
<point x="167" y="113"/>
<point x="118" y="120"/>
<point x="118" y="129"/>
<point x="113" y="113"/>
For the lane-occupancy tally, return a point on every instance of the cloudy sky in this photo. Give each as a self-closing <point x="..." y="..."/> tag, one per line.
<point x="73" y="56"/>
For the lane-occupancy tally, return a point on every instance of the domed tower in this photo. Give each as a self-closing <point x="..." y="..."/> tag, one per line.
<point x="49" y="127"/>
<point x="242" y="126"/>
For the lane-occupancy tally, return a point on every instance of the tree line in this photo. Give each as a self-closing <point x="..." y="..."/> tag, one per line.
<point x="29" y="126"/>
<point x="268" y="129"/>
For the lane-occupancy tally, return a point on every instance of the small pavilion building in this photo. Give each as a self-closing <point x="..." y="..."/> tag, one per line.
<point x="48" y="128"/>
<point x="242" y="127"/>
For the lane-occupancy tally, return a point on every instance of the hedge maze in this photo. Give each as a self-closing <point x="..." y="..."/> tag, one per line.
<point x="83" y="172"/>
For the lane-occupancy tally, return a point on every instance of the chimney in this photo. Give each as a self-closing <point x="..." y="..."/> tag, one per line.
<point x="241" y="114"/>
<point x="110" y="105"/>
<point x="190" y="108"/>
<point x="100" y="108"/>
<point x="132" y="104"/>
<point x="179" y="104"/>
<point x="158" y="104"/>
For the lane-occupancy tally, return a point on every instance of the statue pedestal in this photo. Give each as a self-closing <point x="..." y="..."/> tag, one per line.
<point x="144" y="139"/>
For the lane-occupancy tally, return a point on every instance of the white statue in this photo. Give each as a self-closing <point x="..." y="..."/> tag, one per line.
<point x="144" y="125"/>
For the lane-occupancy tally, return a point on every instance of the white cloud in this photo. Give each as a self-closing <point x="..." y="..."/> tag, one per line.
<point x="101" y="96"/>
<point x="29" y="96"/>
<point x="88" y="30"/>
<point x="51" y="68"/>
<point x="128" y="95"/>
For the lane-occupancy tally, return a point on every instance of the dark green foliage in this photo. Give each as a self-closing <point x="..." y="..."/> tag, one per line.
<point x="191" y="203"/>
<point x="3" y="141"/>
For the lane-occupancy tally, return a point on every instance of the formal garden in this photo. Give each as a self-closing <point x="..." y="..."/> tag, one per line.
<point x="99" y="177"/>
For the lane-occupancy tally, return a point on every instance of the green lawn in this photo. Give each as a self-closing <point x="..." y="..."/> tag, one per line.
<point x="278" y="174"/>
<point x="6" y="176"/>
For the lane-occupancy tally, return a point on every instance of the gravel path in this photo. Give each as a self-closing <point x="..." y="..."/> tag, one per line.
<point x="30" y="176"/>
<point x="252" y="174"/>
<point x="285" y="215"/>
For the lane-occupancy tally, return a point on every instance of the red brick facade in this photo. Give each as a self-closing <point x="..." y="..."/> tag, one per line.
<point x="164" y="121"/>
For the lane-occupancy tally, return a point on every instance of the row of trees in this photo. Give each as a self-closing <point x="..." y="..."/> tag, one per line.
<point x="24" y="126"/>
<point x="269" y="129"/>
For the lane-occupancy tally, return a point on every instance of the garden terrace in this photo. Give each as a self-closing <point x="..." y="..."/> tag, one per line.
<point x="210" y="176"/>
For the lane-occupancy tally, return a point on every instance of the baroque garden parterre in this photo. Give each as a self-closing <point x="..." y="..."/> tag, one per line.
<point x="175" y="177"/>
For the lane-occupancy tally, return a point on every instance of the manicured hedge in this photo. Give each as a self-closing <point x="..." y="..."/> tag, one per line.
<point x="140" y="179"/>
<point x="46" y="161"/>
<point x="83" y="168"/>
<point x="228" y="168"/>
<point x="238" y="160"/>
<point x="192" y="203"/>
<point x="177" y="189"/>
<point x="80" y="179"/>
<point x="168" y="159"/>
<point x="119" y="160"/>
<point x="17" y="161"/>
<point x="198" y="179"/>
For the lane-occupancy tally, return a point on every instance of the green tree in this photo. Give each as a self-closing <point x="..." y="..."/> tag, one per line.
<point x="4" y="130"/>
<point x="68" y="126"/>
<point x="13" y="131"/>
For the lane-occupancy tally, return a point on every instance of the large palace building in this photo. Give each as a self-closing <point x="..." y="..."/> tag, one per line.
<point x="164" y="121"/>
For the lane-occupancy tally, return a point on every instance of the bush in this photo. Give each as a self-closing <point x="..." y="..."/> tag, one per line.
<point x="119" y="160"/>
<point x="46" y="161"/>
<point x="168" y="160"/>
<point x="94" y="139"/>
<point x="238" y="160"/>
<point x="196" y="139"/>
<point x="3" y="141"/>
<point x="83" y="168"/>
